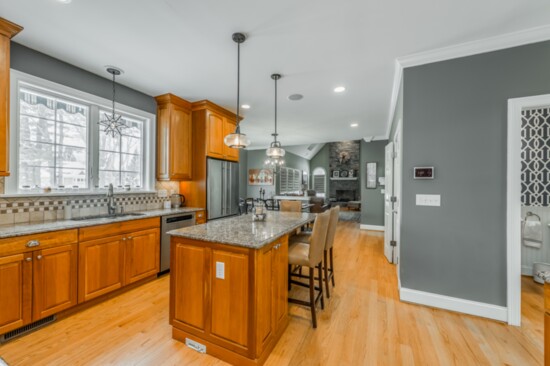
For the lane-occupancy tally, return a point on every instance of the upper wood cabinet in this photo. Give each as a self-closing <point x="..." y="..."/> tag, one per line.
<point x="211" y="123"/>
<point x="174" y="138"/>
<point x="7" y="31"/>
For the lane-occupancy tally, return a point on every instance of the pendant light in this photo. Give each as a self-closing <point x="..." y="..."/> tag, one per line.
<point x="275" y="152"/>
<point x="113" y="124"/>
<point x="238" y="140"/>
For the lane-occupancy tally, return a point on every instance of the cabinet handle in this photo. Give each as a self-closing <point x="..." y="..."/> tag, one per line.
<point x="39" y="257"/>
<point x="277" y="246"/>
<point x="28" y="259"/>
<point x="32" y="243"/>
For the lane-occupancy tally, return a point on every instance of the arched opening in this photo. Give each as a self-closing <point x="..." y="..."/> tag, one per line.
<point x="319" y="182"/>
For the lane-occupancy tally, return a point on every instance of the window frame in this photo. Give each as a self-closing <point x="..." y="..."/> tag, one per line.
<point x="318" y="170"/>
<point x="19" y="79"/>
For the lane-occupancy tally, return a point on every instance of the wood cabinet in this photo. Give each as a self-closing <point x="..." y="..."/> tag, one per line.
<point x="174" y="138"/>
<point x="211" y="123"/>
<point x="229" y="298"/>
<point x="7" y="31"/>
<point x="38" y="277"/>
<point x="114" y="255"/>
<point x="547" y="323"/>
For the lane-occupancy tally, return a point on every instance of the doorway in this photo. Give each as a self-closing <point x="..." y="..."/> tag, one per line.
<point x="519" y="187"/>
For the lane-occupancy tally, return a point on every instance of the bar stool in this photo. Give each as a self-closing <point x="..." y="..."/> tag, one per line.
<point x="328" y="270"/>
<point x="311" y="256"/>
<point x="291" y="206"/>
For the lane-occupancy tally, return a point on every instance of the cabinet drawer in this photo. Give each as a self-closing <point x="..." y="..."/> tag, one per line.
<point x="19" y="244"/>
<point x="117" y="228"/>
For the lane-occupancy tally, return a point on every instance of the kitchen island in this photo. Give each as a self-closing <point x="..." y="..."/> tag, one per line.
<point x="229" y="285"/>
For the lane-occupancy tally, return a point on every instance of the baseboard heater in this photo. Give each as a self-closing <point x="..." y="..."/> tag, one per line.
<point x="26" y="329"/>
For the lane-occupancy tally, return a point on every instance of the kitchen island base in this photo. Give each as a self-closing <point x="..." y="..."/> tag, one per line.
<point x="231" y="299"/>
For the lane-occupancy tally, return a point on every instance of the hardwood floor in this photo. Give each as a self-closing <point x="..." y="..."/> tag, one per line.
<point x="363" y="323"/>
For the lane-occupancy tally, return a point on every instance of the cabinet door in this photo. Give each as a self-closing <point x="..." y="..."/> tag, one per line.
<point x="100" y="267"/>
<point x="280" y="282"/>
<point x="228" y="152"/>
<point x="229" y="273"/>
<point x="163" y="142"/>
<point x="180" y="144"/>
<point x="264" y="297"/>
<point x="142" y="255"/>
<point x="189" y="274"/>
<point x="54" y="280"/>
<point x="214" y="135"/>
<point x="15" y="291"/>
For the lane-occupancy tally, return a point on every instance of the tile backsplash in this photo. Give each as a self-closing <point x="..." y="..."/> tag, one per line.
<point x="43" y="208"/>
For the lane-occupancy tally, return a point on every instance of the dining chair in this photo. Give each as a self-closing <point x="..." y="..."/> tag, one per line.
<point x="291" y="206"/>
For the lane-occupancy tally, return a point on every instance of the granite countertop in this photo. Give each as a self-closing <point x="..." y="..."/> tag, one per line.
<point x="7" y="231"/>
<point x="242" y="231"/>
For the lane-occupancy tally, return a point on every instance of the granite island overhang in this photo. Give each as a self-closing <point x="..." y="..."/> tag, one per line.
<point x="229" y="285"/>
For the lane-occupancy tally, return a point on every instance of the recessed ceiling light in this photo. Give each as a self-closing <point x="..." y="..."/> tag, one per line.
<point x="245" y="106"/>
<point x="295" y="97"/>
<point x="64" y="1"/>
<point x="339" y="89"/>
<point x="354" y="124"/>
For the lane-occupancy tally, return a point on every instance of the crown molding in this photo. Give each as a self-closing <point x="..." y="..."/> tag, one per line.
<point x="496" y="43"/>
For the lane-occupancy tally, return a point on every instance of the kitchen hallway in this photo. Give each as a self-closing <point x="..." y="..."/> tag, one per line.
<point x="363" y="323"/>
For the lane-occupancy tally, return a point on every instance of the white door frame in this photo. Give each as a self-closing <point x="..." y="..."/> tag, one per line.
<point x="513" y="202"/>
<point x="397" y="184"/>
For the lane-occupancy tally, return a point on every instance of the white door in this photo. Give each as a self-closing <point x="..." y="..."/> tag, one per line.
<point x="397" y="163"/>
<point x="388" y="204"/>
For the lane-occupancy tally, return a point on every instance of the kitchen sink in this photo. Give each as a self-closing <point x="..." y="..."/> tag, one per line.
<point x="107" y="216"/>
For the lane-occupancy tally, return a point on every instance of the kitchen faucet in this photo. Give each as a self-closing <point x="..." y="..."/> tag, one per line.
<point x="111" y="205"/>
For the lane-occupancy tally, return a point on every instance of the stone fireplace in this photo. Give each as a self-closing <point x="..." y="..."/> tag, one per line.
<point x="346" y="195"/>
<point x="344" y="156"/>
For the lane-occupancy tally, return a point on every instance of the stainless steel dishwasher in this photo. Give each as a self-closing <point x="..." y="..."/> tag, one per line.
<point x="171" y="222"/>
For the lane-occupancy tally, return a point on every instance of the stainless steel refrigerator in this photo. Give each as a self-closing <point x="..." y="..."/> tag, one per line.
<point x="222" y="197"/>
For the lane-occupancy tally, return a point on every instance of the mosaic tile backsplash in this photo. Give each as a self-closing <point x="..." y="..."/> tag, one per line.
<point x="35" y="209"/>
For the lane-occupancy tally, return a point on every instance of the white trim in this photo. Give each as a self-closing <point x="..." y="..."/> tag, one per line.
<point x="484" y="310"/>
<point x="508" y="40"/>
<point x="372" y="227"/>
<point x="513" y="201"/>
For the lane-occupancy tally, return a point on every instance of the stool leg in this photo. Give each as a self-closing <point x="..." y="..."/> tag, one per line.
<point x="325" y="263"/>
<point x="289" y="277"/>
<point x="332" y="266"/>
<point x="321" y="285"/>
<point x="312" y="297"/>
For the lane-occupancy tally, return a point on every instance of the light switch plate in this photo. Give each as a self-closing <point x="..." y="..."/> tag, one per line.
<point x="220" y="270"/>
<point x="428" y="200"/>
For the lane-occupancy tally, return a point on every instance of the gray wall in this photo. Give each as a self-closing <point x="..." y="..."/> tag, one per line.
<point x="38" y="64"/>
<point x="372" y="200"/>
<point x="256" y="160"/>
<point x="454" y="118"/>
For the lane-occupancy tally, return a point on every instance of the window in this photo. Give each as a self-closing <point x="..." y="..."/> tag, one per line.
<point x="53" y="141"/>
<point x="61" y="146"/>
<point x="290" y="180"/>
<point x="319" y="182"/>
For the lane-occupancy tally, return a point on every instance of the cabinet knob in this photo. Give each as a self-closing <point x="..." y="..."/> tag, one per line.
<point x="123" y="239"/>
<point x="130" y="237"/>
<point x="32" y="243"/>
<point x="39" y="257"/>
<point x="28" y="259"/>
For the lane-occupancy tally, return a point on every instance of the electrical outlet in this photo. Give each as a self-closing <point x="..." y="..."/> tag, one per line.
<point x="220" y="270"/>
<point x="428" y="200"/>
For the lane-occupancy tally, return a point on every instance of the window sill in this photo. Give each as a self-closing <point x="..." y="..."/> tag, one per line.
<point x="67" y="194"/>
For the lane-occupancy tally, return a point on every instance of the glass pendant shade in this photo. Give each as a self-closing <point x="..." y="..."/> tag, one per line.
<point x="236" y="140"/>
<point x="275" y="151"/>
<point x="274" y="162"/>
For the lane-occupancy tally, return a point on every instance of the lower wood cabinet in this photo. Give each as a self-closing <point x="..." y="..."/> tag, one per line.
<point x="121" y="254"/>
<point x="232" y="299"/>
<point x="36" y="283"/>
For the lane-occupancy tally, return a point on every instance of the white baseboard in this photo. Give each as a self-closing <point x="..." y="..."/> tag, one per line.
<point x="372" y="227"/>
<point x="454" y="304"/>
<point x="526" y="270"/>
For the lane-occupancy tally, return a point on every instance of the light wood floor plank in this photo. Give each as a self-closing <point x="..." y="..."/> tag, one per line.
<point x="363" y="323"/>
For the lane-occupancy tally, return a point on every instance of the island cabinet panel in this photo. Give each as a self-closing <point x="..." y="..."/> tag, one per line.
<point x="142" y="255"/>
<point x="55" y="280"/>
<point x="15" y="291"/>
<point x="229" y="273"/>
<point x="100" y="267"/>
<point x="189" y="276"/>
<point x="547" y="323"/>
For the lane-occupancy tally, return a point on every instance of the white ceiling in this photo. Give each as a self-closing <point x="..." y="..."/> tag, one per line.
<point x="185" y="47"/>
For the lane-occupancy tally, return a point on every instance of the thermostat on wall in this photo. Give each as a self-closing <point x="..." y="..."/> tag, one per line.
<point x="424" y="172"/>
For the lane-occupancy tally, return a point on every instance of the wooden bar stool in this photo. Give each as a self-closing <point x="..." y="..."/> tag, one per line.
<point x="311" y="256"/>
<point x="305" y="238"/>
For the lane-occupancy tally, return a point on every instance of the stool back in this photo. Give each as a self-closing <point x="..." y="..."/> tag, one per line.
<point x="318" y="238"/>
<point x="333" y="223"/>
<point x="291" y="206"/>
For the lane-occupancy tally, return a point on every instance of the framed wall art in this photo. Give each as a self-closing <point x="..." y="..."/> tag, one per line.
<point x="371" y="175"/>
